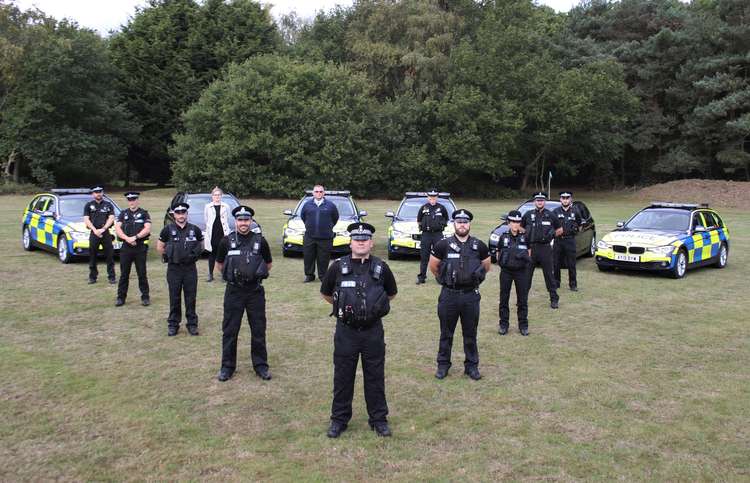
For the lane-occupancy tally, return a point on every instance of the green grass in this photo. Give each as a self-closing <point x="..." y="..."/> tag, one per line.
<point x="637" y="376"/>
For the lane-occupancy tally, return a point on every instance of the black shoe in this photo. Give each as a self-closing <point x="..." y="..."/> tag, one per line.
<point x="192" y="329"/>
<point x="524" y="332"/>
<point x="473" y="373"/>
<point x="225" y="374"/>
<point x="441" y="372"/>
<point x="573" y="288"/>
<point x="554" y="304"/>
<point x="112" y="280"/>
<point x="210" y="278"/>
<point x="145" y="301"/>
<point x="172" y="331"/>
<point x="420" y="280"/>
<point x="502" y="330"/>
<point x="92" y="281"/>
<point x="309" y="278"/>
<point x="335" y="429"/>
<point x="119" y="303"/>
<point x="263" y="373"/>
<point x="381" y="429"/>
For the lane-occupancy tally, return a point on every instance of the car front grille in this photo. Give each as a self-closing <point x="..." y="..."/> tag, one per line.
<point x="637" y="250"/>
<point x="624" y="249"/>
<point x="619" y="249"/>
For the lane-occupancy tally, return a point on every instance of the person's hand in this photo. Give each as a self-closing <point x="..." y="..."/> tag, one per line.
<point x="133" y="240"/>
<point x="559" y="232"/>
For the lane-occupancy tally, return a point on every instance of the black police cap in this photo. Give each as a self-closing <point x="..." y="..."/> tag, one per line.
<point x="360" y="231"/>
<point x="514" y="215"/>
<point x="132" y="195"/>
<point x="243" y="212"/>
<point x="433" y="192"/>
<point x="96" y="189"/>
<point x="540" y="195"/>
<point x="566" y="194"/>
<point x="463" y="215"/>
<point x="180" y="208"/>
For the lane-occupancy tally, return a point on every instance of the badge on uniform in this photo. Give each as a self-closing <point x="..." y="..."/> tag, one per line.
<point x="505" y="242"/>
<point x="454" y="255"/>
<point x="92" y="207"/>
<point x="533" y="216"/>
<point x="126" y="217"/>
<point x="546" y="223"/>
<point x="234" y="244"/>
<point x="348" y="283"/>
<point x="233" y="252"/>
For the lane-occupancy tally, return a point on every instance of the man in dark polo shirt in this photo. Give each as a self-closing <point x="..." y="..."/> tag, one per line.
<point x="99" y="216"/>
<point x="319" y="216"/>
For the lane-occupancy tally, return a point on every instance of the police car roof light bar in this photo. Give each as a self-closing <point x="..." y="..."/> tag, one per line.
<point x="72" y="191"/>
<point x="332" y="192"/>
<point x="686" y="206"/>
<point x="414" y="194"/>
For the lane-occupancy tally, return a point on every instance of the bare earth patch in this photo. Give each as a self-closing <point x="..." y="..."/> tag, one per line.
<point x="717" y="193"/>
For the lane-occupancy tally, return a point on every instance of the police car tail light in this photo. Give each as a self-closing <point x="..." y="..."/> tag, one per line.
<point x="603" y="245"/>
<point x="665" y="250"/>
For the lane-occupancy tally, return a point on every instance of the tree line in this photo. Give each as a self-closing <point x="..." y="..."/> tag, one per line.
<point x="473" y="96"/>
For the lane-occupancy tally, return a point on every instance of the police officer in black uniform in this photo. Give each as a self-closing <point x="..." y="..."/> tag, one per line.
<point x="181" y="245"/>
<point x="98" y="216"/>
<point x="360" y="287"/>
<point x="565" y="244"/>
<point x="541" y="227"/>
<point x="244" y="259"/>
<point x="133" y="226"/>
<point x="514" y="260"/>
<point x="432" y="218"/>
<point x="460" y="263"/>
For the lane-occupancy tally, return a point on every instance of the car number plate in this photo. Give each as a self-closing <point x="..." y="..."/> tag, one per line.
<point x="417" y="245"/>
<point x="627" y="258"/>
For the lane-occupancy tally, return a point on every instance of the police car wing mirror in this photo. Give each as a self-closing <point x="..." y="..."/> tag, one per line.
<point x="620" y="224"/>
<point x="390" y="214"/>
<point x="288" y="212"/>
<point x="48" y="213"/>
<point x="699" y="229"/>
<point x="362" y="212"/>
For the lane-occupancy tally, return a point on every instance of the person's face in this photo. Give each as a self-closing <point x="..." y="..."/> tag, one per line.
<point x="514" y="226"/>
<point x="180" y="217"/>
<point x="432" y="200"/>
<point x="318" y="192"/>
<point x="133" y="204"/>
<point x="539" y="203"/>
<point x="243" y="225"/>
<point x="463" y="227"/>
<point x="216" y="197"/>
<point x="565" y="201"/>
<point x="98" y="195"/>
<point x="361" y="248"/>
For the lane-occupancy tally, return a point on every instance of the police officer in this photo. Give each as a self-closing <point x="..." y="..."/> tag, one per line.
<point x="181" y="245"/>
<point x="360" y="286"/>
<point x="319" y="216"/>
<point x="565" y="244"/>
<point x="460" y="263"/>
<point x="98" y="216"/>
<point x="432" y="218"/>
<point x="244" y="259"/>
<point x="514" y="260"/>
<point x="541" y="226"/>
<point x="133" y="226"/>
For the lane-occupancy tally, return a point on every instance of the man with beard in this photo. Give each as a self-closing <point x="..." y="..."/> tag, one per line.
<point x="565" y="243"/>
<point x="98" y="216"/>
<point x="133" y="227"/>
<point x="541" y="227"/>
<point x="432" y="219"/>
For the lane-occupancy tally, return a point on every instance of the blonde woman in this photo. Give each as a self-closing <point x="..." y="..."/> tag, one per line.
<point x="216" y="215"/>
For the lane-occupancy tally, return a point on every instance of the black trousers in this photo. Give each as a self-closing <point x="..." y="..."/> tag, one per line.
<point x="541" y="253"/>
<point x="315" y="250"/>
<point x="520" y="277"/>
<point x="237" y="301"/>
<point x="182" y="279"/>
<point x="127" y="258"/>
<point x="348" y="345"/>
<point x="105" y="243"/>
<point x="429" y="239"/>
<point x="565" y="253"/>
<point x="453" y="304"/>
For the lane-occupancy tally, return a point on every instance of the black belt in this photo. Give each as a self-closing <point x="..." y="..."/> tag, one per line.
<point x="361" y="328"/>
<point x="254" y="286"/>
<point x="459" y="289"/>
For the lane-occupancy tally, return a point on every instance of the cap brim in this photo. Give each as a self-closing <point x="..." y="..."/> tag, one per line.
<point x="361" y="237"/>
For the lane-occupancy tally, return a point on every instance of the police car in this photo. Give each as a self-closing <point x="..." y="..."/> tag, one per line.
<point x="294" y="228"/>
<point x="585" y="238"/>
<point x="404" y="235"/>
<point x="668" y="237"/>
<point x="54" y="221"/>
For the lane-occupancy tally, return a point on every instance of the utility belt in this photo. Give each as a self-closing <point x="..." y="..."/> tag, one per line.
<point x="358" y="327"/>
<point x="461" y="289"/>
<point x="252" y="286"/>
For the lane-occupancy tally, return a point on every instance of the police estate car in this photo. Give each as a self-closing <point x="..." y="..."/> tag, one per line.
<point x="54" y="221"/>
<point x="197" y="202"/>
<point x="669" y="237"/>
<point x="294" y="229"/>
<point x="404" y="236"/>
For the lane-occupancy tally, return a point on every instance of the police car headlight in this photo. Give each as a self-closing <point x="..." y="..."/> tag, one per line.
<point x="663" y="251"/>
<point x="343" y="233"/>
<point x="293" y="232"/>
<point x="603" y="245"/>
<point x="79" y="235"/>
<point x="495" y="237"/>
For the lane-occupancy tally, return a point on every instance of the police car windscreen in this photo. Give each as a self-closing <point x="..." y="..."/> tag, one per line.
<point x="346" y="210"/>
<point x="410" y="207"/>
<point x="72" y="207"/>
<point x="660" y="219"/>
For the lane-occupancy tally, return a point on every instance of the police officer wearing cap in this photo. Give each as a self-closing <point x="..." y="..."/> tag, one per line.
<point x="541" y="226"/>
<point x="133" y="226"/>
<point x="432" y="218"/>
<point x="565" y="244"/>
<point x="360" y="287"/>
<point x="98" y="216"/>
<point x="460" y="264"/>
<point x="244" y="259"/>
<point x="514" y="260"/>
<point x="181" y="245"/>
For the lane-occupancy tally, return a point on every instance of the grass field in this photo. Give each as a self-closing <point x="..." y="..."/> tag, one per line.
<point x="636" y="377"/>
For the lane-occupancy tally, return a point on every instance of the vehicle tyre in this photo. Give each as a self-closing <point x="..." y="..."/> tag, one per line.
<point x="592" y="247"/>
<point x="63" y="254"/>
<point x="26" y="240"/>
<point x="680" y="267"/>
<point x="393" y="256"/>
<point x="604" y="268"/>
<point x="285" y="253"/>
<point x="723" y="257"/>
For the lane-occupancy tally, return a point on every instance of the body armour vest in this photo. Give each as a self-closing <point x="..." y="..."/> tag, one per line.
<point x="183" y="246"/>
<point x="461" y="267"/>
<point x="514" y="251"/>
<point x="244" y="264"/>
<point x="432" y="218"/>
<point x="360" y="299"/>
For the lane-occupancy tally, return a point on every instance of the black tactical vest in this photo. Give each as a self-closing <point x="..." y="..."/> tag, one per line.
<point x="360" y="300"/>
<point x="540" y="226"/>
<point x="183" y="246"/>
<point x="568" y="220"/>
<point x="514" y="251"/>
<point x="244" y="264"/>
<point x="132" y="224"/>
<point x="432" y="218"/>
<point x="461" y="267"/>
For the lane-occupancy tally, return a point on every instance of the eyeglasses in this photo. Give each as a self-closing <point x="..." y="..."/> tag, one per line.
<point x="317" y="191"/>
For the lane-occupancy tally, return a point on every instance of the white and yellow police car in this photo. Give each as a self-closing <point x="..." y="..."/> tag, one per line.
<point x="668" y="237"/>
<point x="54" y="221"/>
<point x="404" y="235"/>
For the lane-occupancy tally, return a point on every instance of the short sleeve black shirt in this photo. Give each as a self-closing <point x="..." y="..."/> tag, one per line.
<point x="440" y="249"/>
<point x="98" y="212"/>
<point x="223" y="248"/>
<point x="133" y="221"/>
<point x="328" y="284"/>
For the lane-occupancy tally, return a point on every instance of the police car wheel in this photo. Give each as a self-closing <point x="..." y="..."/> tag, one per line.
<point x="592" y="247"/>
<point x="26" y="241"/>
<point x="721" y="260"/>
<point x="62" y="250"/>
<point x="680" y="265"/>
<point x="393" y="256"/>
